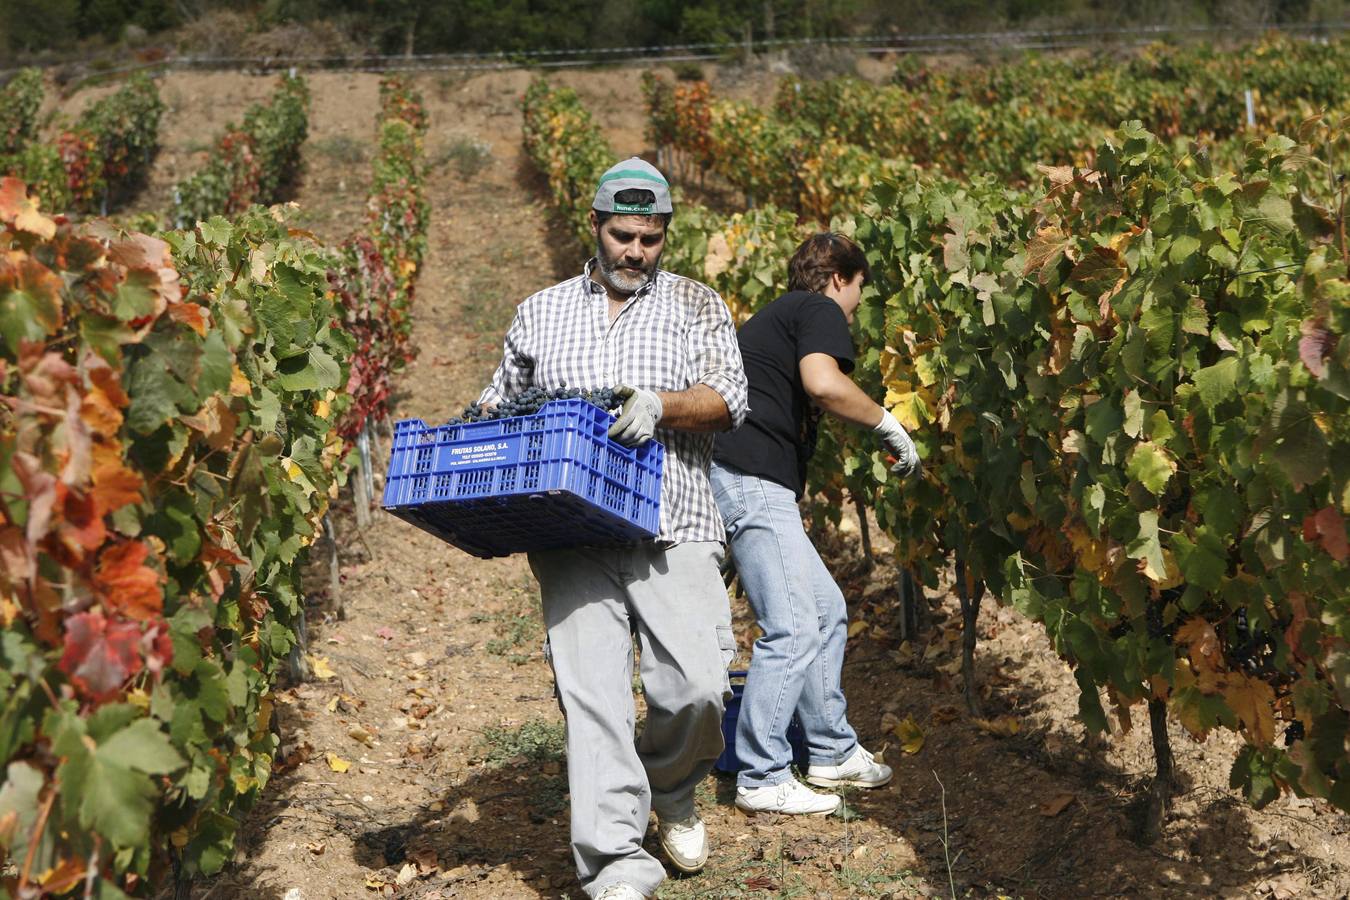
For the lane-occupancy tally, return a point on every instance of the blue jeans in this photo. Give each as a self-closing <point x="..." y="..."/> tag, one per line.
<point x="797" y="663"/>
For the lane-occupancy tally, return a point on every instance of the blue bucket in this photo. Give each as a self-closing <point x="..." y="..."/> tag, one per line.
<point x="728" y="761"/>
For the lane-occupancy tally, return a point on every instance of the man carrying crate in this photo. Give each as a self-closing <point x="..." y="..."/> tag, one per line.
<point x="667" y="345"/>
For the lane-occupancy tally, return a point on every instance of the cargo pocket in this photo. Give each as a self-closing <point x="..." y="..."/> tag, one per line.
<point x="726" y="642"/>
<point x="548" y="658"/>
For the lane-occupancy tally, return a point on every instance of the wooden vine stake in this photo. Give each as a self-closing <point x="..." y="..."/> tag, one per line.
<point x="296" y="662"/>
<point x="334" y="572"/>
<point x="362" y="488"/>
<point x="910" y="613"/>
<point x="863" y="530"/>
<point x="1160" y="791"/>
<point x="970" y="592"/>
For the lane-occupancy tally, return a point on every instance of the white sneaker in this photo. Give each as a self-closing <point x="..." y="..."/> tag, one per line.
<point x="791" y="798"/>
<point x="685" y="843"/>
<point x="620" y="891"/>
<point x="859" y="770"/>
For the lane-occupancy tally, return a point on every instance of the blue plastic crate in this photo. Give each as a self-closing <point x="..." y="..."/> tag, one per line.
<point x="538" y="482"/>
<point x="729" y="761"/>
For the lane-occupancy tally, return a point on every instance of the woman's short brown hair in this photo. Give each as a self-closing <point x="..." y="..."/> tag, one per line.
<point x="822" y="255"/>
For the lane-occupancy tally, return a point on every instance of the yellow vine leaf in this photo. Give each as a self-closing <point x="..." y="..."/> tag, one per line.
<point x="909" y="734"/>
<point x="1000" y="726"/>
<point x="1254" y="702"/>
<point x="319" y="666"/>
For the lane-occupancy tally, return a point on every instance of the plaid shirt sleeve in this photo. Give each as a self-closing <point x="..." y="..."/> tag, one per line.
<point x="516" y="370"/>
<point x="717" y="355"/>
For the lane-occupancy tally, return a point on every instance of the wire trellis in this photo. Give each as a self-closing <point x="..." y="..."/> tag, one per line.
<point x="938" y="42"/>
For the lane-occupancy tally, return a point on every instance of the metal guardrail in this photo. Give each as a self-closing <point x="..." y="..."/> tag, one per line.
<point x="938" y="42"/>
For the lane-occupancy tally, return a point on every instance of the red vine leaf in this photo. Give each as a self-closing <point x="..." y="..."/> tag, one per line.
<point x="193" y="315"/>
<point x="1327" y="526"/>
<point x="150" y="257"/>
<point x="39" y="488"/>
<point x="82" y="530"/>
<point x="125" y="584"/>
<point x="115" y="485"/>
<point x="1316" y="345"/>
<point x="216" y="422"/>
<point x="16" y="555"/>
<point x="46" y="376"/>
<point x="100" y="655"/>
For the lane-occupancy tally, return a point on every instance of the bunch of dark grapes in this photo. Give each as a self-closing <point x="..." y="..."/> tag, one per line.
<point x="1247" y="652"/>
<point x="531" y="400"/>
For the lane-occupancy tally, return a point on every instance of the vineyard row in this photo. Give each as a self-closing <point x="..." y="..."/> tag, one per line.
<point x="178" y="414"/>
<point x="1130" y="384"/>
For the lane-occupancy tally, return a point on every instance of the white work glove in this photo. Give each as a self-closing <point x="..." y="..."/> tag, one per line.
<point x="897" y="441"/>
<point x="637" y="420"/>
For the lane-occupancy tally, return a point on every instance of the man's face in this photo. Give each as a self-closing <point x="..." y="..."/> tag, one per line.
<point x="628" y="249"/>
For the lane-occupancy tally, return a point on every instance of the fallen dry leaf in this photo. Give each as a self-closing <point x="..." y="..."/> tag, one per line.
<point x="292" y="759"/>
<point x="1056" y="804"/>
<point x="359" y="733"/>
<point x="331" y="706"/>
<point x="336" y="763"/>
<point x="950" y="667"/>
<point x="406" y="875"/>
<point x="426" y="860"/>
<point x="909" y="734"/>
<point x="1000" y="726"/>
<point x="760" y="883"/>
<point x="856" y="628"/>
<point x="941" y="715"/>
<point x="319" y="666"/>
<point x="315" y="847"/>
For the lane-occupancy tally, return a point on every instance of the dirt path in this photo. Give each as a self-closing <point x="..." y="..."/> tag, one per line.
<point x="439" y="706"/>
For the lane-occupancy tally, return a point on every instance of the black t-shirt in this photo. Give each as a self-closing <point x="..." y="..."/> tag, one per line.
<point x="779" y="433"/>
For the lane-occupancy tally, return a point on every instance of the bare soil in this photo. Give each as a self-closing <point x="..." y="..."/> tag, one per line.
<point x="439" y="704"/>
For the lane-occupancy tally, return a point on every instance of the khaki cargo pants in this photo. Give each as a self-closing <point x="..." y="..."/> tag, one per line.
<point x="594" y="603"/>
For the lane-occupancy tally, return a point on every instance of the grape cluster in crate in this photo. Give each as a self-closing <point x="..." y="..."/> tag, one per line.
<point x="532" y="399"/>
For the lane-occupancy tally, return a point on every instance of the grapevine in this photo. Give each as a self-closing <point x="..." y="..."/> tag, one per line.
<point x="97" y="162"/>
<point x="253" y="163"/>
<point x="20" y="101"/>
<point x="204" y="449"/>
<point x="1128" y="378"/>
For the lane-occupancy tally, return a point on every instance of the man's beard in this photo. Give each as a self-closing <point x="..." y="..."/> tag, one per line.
<point x="623" y="281"/>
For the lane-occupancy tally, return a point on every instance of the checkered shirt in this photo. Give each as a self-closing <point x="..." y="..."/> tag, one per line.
<point x="671" y="335"/>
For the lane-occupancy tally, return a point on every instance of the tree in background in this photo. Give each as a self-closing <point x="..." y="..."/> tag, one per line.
<point x="513" y="26"/>
<point x="31" y="26"/>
